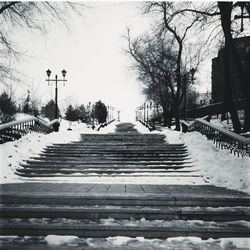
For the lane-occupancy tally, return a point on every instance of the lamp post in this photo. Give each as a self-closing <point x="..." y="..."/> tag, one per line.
<point x="242" y="5"/>
<point x="144" y="112"/>
<point x="93" y="116"/>
<point x="147" y="112"/>
<point x="48" y="72"/>
<point x="118" y="115"/>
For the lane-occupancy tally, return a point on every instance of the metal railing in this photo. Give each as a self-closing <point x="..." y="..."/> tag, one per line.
<point x="237" y="144"/>
<point x="150" y="126"/>
<point x="16" y="129"/>
<point x="102" y="125"/>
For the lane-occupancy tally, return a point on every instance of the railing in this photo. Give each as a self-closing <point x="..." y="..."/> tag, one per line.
<point x="102" y="125"/>
<point x="16" y="129"/>
<point x="151" y="127"/>
<point x="223" y="138"/>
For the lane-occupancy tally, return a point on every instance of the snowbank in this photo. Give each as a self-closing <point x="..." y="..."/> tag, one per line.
<point x="13" y="154"/>
<point x="122" y="242"/>
<point x="219" y="166"/>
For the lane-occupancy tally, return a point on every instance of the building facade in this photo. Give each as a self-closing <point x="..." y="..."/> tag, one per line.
<point x="218" y="79"/>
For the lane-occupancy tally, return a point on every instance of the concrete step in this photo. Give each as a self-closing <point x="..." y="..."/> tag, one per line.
<point x="118" y="212"/>
<point x="152" y="200"/>
<point x="123" y="153"/>
<point x="116" y="150"/>
<point x="109" y="159"/>
<point x="109" y="228"/>
<point x="105" y="167"/>
<point x="121" y="145"/>
<point x="78" y="153"/>
<point x="87" y="173"/>
<point x="108" y="162"/>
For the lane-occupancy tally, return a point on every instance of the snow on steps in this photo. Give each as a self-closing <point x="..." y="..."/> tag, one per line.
<point x="112" y="154"/>
<point x="130" y="228"/>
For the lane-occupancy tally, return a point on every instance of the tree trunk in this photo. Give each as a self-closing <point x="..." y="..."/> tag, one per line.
<point x="247" y="107"/>
<point x="226" y="10"/>
<point x="229" y="103"/>
<point x="170" y="117"/>
<point x="177" y="118"/>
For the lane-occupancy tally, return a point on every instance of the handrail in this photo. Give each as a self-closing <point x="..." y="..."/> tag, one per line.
<point x="13" y="123"/>
<point x="15" y="129"/>
<point x="151" y="127"/>
<point x="104" y="124"/>
<point x="28" y="119"/>
<point x="226" y="132"/>
<point x="222" y="137"/>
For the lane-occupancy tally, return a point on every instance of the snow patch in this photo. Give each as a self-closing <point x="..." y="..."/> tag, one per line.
<point x="218" y="166"/>
<point x="57" y="240"/>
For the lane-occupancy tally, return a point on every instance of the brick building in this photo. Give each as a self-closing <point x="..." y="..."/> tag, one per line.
<point x="218" y="81"/>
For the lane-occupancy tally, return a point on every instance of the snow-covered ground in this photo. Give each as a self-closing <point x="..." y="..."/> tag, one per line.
<point x="121" y="242"/>
<point x="216" y="166"/>
<point x="13" y="154"/>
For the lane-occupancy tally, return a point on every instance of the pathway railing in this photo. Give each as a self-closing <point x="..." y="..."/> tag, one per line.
<point x="150" y="126"/>
<point x="237" y="144"/>
<point x="102" y="125"/>
<point x="16" y="129"/>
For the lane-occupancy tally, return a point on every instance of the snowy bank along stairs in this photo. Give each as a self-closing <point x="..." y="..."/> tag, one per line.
<point x="103" y="210"/>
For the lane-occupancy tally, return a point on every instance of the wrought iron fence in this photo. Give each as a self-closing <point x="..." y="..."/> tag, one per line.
<point x="237" y="144"/>
<point x="16" y="129"/>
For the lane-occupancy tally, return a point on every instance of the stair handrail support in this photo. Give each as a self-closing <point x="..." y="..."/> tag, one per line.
<point x="237" y="144"/>
<point x="15" y="129"/>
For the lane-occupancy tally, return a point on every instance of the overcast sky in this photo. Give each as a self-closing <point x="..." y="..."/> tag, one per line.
<point x="92" y="53"/>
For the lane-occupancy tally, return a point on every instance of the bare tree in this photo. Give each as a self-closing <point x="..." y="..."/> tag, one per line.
<point x="156" y="61"/>
<point x="210" y="20"/>
<point x="32" y="16"/>
<point x="178" y="30"/>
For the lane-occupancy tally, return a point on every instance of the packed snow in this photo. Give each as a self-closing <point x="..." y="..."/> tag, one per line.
<point x="121" y="242"/>
<point x="218" y="166"/>
<point x="15" y="153"/>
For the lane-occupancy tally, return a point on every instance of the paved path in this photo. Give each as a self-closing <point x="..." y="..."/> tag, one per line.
<point x="151" y="211"/>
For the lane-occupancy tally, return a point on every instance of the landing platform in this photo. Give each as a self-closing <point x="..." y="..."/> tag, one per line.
<point x="78" y="189"/>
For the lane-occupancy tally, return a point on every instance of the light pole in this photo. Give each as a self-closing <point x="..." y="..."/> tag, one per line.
<point x="93" y="116"/>
<point x="242" y="5"/>
<point x="147" y="112"/>
<point x="118" y="114"/>
<point x="48" y="72"/>
<point x="89" y="110"/>
<point x="144" y="112"/>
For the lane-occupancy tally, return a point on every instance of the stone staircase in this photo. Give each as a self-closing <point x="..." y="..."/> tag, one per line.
<point x="110" y="154"/>
<point x="104" y="210"/>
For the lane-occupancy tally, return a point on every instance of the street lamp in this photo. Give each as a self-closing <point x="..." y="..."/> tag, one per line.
<point x="118" y="115"/>
<point x="48" y="72"/>
<point x="242" y="5"/>
<point x="147" y="112"/>
<point x="144" y="112"/>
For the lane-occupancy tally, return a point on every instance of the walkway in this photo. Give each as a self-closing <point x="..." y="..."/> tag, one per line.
<point x="103" y="210"/>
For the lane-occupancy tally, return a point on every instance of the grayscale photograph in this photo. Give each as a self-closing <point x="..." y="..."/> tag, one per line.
<point x="124" y="125"/>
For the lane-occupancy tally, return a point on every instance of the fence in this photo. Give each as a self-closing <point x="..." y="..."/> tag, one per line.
<point x="223" y="138"/>
<point x="16" y="129"/>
